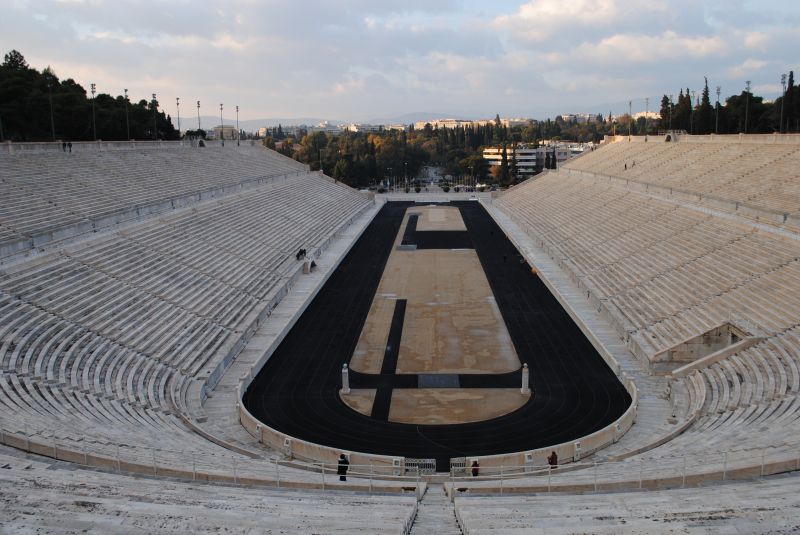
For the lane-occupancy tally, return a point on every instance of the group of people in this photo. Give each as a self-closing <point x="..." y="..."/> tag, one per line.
<point x="66" y="145"/>
<point x="300" y="254"/>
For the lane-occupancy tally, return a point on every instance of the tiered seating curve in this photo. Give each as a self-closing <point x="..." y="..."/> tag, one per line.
<point x="52" y="195"/>
<point x="663" y="271"/>
<point x="108" y="345"/>
<point x="743" y="172"/>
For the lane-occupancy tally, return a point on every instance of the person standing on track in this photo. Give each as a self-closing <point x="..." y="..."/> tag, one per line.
<point x="342" y="469"/>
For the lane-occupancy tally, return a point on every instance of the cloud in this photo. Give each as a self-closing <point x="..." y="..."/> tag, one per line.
<point x="636" y="48"/>
<point x="356" y="59"/>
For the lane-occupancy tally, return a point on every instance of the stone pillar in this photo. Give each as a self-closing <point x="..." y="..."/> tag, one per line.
<point x="525" y="380"/>
<point x="345" y="379"/>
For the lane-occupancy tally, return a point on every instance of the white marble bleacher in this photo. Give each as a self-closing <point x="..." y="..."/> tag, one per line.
<point x="53" y="195"/>
<point x="44" y="497"/>
<point x="767" y="506"/>
<point x="755" y="174"/>
<point x="105" y="343"/>
<point x="664" y="271"/>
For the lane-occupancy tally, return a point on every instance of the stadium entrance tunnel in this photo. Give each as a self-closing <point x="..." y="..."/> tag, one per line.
<point x="296" y="392"/>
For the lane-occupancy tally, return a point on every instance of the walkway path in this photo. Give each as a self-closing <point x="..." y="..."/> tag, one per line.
<point x="435" y="514"/>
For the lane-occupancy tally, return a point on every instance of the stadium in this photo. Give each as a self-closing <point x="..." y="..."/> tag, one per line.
<point x="192" y="337"/>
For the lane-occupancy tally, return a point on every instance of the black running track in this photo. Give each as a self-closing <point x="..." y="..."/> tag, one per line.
<point x="575" y="393"/>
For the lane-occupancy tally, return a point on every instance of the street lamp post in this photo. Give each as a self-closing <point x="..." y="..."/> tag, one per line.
<point x="783" y="100"/>
<point x="747" y="105"/>
<point x="472" y="172"/>
<point x="716" y="121"/>
<point x="238" y="134"/>
<point x="221" y="125"/>
<point x="155" y="124"/>
<point x="630" y="119"/>
<point x="127" y="119"/>
<point x="50" y="98"/>
<point x="405" y="175"/>
<point x="178" y="106"/>
<point x="94" y="125"/>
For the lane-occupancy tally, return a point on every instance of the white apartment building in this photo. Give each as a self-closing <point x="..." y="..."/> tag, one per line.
<point x="326" y="127"/>
<point x="227" y="131"/>
<point x="530" y="159"/>
<point x="461" y="123"/>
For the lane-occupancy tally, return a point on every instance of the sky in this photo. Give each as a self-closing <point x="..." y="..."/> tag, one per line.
<point x="361" y="60"/>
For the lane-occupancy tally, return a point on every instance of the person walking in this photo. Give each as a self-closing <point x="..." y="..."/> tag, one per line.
<point x="343" y="466"/>
<point x="475" y="468"/>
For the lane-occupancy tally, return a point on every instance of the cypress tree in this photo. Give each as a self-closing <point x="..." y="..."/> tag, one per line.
<point x="514" y="168"/>
<point x="504" y="165"/>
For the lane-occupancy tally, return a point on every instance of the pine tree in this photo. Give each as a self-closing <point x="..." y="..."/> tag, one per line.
<point x="15" y="60"/>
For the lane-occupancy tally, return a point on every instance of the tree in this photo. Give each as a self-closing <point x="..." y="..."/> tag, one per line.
<point x="514" y="167"/>
<point x="504" y="166"/>
<point x="704" y="116"/>
<point x="682" y="113"/>
<point x="666" y="113"/>
<point x="15" y="60"/>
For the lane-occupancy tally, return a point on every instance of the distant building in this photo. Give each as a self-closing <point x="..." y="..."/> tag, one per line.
<point x="362" y="127"/>
<point x="648" y="114"/>
<point x="530" y="159"/>
<point x="461" y="123"/>
<point x="228" y="132"/>
<point x="327" y="128"/>
<point x="580" y="118"/>
<point x="443" y="123"/>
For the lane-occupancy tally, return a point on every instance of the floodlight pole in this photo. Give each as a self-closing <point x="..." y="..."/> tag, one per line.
<point x="127" y="119"/>
<point x="691" y="114"/>
<point x="716" y="125"/>
<point x="178" y="106"/>
<point x="238" y="134"/>
<point x="630" y="119"/>
<point x="94" y="125"/>
<point x="783" y="100"/>
<point x="747" y="105"/>
<point x="221" y="126"/>
<point x="198" y="117"/>
<point x="646" y="112"/>
<point x="155" y="124"/>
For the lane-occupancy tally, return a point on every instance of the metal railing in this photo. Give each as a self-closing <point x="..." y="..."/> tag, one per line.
<point x="99" y="452"/>
<point x="679" y="471"/>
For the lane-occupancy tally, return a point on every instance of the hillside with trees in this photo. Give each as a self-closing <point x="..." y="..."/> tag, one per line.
<point x="38" y="106"/>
